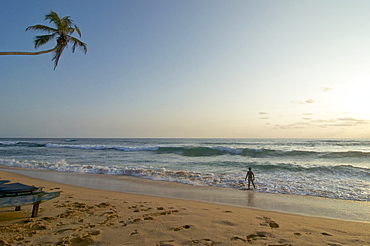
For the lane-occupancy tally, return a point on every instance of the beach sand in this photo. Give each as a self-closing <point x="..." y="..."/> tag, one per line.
<point x="84" y="216"/>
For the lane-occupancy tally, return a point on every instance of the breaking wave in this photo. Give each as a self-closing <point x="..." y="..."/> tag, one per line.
<point x="198" y="151"/>
<point x="328" y="168"/>
<point x="282" y="178"/>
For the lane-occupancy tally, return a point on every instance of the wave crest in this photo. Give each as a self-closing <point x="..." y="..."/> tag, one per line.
<point x="195" y="151"/>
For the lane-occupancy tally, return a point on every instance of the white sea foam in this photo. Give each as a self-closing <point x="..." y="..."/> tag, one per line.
<point x="96" y="147"/>
<point x="335" y="169"/>
<point x="8" y="142"/>
<point x="281" y="182"/>
<point x="102" y="147"/>
<point x="133" y="149"/>
<point x="230" y="150"/>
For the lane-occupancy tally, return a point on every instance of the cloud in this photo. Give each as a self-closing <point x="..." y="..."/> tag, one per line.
<point x="264" y="115"/>
<point x="310" y="101"/>
<point x="326" y="89"/>
<point x="307" y="101"/>
<point x="322" y="123"/>
<point x="348" y="121"/>
<point x="297" y="125"/>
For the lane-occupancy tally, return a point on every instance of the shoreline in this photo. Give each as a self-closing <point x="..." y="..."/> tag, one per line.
<point x="294" y="204"/>
<point x="85" y="216"/>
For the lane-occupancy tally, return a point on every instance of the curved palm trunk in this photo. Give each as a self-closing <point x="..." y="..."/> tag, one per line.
<point x="27" y="53"/>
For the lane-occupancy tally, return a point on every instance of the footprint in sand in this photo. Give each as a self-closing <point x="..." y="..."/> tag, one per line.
<point x="139" y="208"/>
<point x="204" y="241"/>
<point x="137" y="220"/>
<point x="63" y="230"/>
<point x="269" y="222"/>
<point x="237" y="238"/>
<point x="181" y="228"/>
<point x="84" y="239"/>
<point x="226" y="222"/>
<point x="273" y="224"/>
<point x="167" y="243"/>
<point x="103" y="205"/>
<point x="165" y="212"/>
<point x="284" y="241"/>
<point x="256" y="236"/>
<point x="78" y="240"/>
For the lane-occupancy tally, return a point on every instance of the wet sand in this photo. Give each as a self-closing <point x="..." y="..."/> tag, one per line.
<point x="304" y="205"/>
<point x="86" y="216"/>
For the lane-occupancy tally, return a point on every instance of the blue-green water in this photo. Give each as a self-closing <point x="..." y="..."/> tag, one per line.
<point x="337" y="168"/>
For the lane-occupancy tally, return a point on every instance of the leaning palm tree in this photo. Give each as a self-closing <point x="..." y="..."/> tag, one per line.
<point x="64" y="27"/>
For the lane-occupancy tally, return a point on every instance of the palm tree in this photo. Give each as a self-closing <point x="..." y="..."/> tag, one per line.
<point x="64" y="27"/>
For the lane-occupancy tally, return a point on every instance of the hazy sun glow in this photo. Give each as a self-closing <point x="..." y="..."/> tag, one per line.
<point x="358" y="102"/>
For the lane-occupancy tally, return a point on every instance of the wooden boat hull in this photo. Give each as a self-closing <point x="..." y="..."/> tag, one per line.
<point x="28" y="199"/>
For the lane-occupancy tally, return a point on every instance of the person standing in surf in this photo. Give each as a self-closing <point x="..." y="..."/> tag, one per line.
<point x="250" y="176"/>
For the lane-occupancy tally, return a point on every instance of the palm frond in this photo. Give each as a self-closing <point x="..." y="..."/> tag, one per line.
<point x="53" y="17"/>
<point x="63" y="28"/>
<point x="67" y="20"/>
<point x="78" y="30"/>
<point x="57" y="54"/>
<point x="78" y="43"/>
<point x="42" y="28"/>
<point x="43" y="39"/>
<point x="65" y="25"/>
<point x="70" y="30"/>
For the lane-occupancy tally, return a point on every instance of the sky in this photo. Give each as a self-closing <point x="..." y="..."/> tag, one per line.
<point x="190" y="69"/>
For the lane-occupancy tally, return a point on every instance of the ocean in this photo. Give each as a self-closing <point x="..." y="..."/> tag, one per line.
<point x="330" y="168"/>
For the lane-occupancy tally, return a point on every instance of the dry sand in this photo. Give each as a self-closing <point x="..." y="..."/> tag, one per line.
<point x="82" y="216"/>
